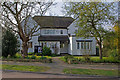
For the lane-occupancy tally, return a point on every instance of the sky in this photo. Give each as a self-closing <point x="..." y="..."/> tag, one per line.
<point x="56" y="10"/>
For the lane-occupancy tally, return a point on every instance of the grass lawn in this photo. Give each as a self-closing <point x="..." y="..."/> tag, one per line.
<point x="91" y="72"/>
<point x="25" y="68"/>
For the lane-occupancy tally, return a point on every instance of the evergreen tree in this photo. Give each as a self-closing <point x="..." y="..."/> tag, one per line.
<point x="9" y="44"/>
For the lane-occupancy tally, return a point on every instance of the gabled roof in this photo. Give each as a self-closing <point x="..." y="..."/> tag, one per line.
<point x="53" y="21"/>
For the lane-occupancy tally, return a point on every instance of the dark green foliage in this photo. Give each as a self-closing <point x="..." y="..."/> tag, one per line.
<point x="33" y="57"/>
<point x="38" y="54"/>
<point x="43" y="57"/>
<point x="46" y="51"/>
<point x="9" y="44"/>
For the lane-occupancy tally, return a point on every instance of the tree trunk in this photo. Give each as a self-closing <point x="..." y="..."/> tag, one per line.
<point x="24" y="49"/>
<point x="100" y="49"/>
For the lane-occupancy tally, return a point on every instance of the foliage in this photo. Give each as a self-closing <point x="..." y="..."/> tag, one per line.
<point x="91" y="72"/>
<point x="46" y="51"/>
<point x="43" y="57"/>
<point x="25" y="68"/>
<point x="67" y="57"/>
<point x="91" y="18"/>
<point x="18" y="55"/>
<point x="9" y="44"/>
<point x="38" y="54"/>
<point x="33" y="57"/>
<point x="31" y="53"/>
<point x="13" y="16"/>
<point x="78" y="60"/>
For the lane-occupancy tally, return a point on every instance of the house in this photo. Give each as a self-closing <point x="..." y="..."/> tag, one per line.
<point x="58" y="33"/>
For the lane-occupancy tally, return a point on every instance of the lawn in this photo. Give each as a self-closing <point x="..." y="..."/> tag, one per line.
<point x="91" y="72"/>
<point x="25" y="68"/>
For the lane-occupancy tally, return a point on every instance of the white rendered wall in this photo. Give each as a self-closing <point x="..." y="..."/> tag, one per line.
<point x="80" y="51"/>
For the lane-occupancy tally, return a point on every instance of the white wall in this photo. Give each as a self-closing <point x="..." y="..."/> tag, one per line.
<point x="73" y="47"/>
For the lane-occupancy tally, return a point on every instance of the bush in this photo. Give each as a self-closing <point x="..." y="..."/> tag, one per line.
<point x="43" y="57"/>
<point x="46" y="51"/>
<point x="113" y="53"/>
<point x="38" y="54"/>
<point x="33" y="57"/>
<point x="67" y="57"/>
<point x="87" y="58"/>
<point x="27" y="57"/>
<point x="31" y="53"/>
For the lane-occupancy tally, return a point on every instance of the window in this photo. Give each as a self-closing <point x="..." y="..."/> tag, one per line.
<point x="30" y="44"/>
<point x="49" y="31"/>
<point x="77" y="45"/>
<point x="86" y="45"/>
<point x="61" y="31"/>
<point x="82" y="45"/>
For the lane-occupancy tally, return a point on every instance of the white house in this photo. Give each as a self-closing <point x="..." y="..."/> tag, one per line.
<point x="58" y="33"/>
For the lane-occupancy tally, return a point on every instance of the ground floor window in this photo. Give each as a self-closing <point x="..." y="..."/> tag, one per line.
<point x="84" y="45"/>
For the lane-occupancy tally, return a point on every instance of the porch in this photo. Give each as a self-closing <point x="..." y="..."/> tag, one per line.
<point x="57" y="44"/>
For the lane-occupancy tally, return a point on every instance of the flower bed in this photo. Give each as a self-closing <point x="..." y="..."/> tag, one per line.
<point x="79" y="60"/>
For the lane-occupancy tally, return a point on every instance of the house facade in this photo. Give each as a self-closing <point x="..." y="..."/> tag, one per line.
<point x="58" y="33"/>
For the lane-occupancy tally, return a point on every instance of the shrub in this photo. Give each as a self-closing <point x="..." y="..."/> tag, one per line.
<point x="27" y="57"/>
<point x="67" y="57"/>
<point x="38" y="54"/>
<point x="87" y="58"/>
<point x="43" y="57"/>
<point x="46" y="51"/>
<point x="31" y="53"/>
<point x="33" y="57"/>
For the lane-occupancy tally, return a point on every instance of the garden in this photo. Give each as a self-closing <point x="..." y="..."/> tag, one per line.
<point x="88" y="59"/>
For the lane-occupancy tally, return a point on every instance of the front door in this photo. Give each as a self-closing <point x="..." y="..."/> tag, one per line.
<point x="37" y="49"/>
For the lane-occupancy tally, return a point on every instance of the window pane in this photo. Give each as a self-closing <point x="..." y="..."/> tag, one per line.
<point x="87" y="45"/>
<point x="77" y="45"/>
<point x="81" y="45"/>
<point x="84" y="45"/>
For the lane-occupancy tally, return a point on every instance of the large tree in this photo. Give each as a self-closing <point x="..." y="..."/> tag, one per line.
<point x="92" y="18"/>
<point x="15" y="12"/>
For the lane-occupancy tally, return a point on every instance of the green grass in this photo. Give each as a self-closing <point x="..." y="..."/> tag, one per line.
<point x="91" y="72"/>
<point x="25" y="68"/>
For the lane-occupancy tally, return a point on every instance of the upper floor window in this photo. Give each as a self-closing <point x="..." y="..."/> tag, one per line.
<point x="49" y="31"/>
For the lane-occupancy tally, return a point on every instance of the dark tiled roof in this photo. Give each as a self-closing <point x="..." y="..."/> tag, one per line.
<point x="53" y="21"/>
<point x="53" y="38"/>
<point x="84" y="40"/>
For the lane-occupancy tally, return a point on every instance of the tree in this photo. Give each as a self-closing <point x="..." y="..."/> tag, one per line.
<point x="15" y="12"/>
<point x="91" y="19"/>
<point x="10" y="44"/>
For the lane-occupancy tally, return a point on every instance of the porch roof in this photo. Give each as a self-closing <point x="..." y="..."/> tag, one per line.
<point x="53" y="38"/>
